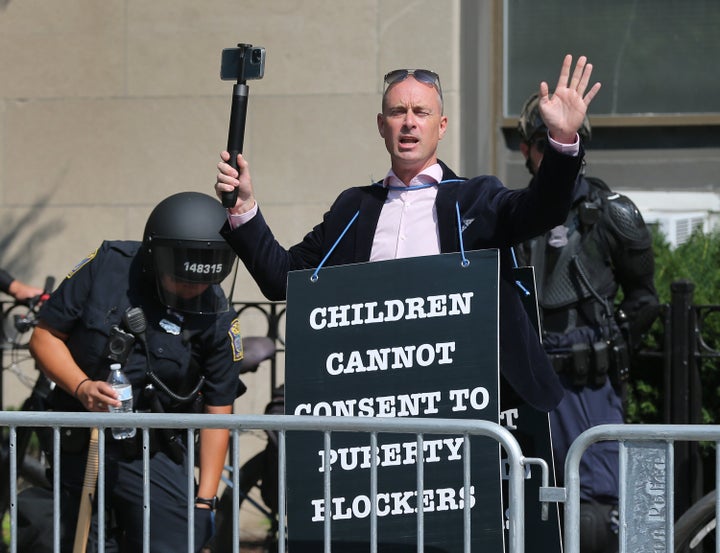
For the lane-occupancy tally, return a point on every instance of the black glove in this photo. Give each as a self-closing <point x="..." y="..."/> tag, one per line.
<point x="204" y="526"/>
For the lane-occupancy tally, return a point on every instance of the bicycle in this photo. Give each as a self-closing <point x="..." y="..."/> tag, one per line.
<point x="17" y="321"/>
<point x="695" y="530"/>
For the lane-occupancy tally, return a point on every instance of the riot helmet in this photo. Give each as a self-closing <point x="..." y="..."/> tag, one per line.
<point x="186" y="253"/>
<point x="530" y="123"/>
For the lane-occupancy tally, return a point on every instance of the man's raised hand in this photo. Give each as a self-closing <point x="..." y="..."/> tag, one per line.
<point x="564" y="111"/>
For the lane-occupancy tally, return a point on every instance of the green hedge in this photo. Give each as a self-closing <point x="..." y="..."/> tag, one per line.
<point x="698" y="261"/>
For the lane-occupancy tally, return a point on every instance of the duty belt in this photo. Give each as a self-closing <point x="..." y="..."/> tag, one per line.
<point x="585" y="364"/>
<point x="561" y="362"/>
<point x="592" y="364"/>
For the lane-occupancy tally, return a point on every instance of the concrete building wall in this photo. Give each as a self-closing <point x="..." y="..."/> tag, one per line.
<point x="108" y="107"/>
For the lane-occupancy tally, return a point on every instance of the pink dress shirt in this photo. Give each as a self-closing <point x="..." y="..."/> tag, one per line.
<point x="407" y="226"/>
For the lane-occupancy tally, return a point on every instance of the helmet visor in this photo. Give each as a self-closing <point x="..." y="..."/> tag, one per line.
<point x="207" y="266"/>
<point x="189" y="279"/>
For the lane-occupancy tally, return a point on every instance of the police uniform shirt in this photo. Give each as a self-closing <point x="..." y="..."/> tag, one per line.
<point x="180" y="347"/>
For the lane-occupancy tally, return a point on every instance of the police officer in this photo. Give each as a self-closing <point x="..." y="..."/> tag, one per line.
<point x="157" y="306"/>
<point x="580" y="266"/>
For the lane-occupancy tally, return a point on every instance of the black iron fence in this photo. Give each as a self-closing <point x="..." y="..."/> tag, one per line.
<point x="264" y="318"/>
<point x="273" y="315"/>
<point x="677" y="356"/>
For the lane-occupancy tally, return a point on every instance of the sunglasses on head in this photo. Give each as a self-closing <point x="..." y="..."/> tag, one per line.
<point x="421" y="75"/>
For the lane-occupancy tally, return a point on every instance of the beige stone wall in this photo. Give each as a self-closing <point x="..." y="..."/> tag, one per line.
<point x="106" y="107"/>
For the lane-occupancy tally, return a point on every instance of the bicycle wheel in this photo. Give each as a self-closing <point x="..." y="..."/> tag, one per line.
<point x="31" y="466"/>
<point x="695" y="529"/>
<point x="16" y="322"/>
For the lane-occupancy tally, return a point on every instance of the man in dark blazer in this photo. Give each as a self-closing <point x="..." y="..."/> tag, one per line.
<point x="415" y="210"/>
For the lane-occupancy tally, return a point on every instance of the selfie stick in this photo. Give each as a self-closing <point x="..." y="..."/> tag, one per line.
<point x="236" y="133"/>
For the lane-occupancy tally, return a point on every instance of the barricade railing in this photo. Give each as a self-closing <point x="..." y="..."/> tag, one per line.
<point x="646" y="499"/>
<point x="281" y="424"/>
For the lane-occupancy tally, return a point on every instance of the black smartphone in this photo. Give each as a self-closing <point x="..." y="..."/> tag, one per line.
<point x="243" y="63"/>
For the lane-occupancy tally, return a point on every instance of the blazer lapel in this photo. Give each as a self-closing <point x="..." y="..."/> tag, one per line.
<point x="370" y="208"/>
<point x="447" y="217"/>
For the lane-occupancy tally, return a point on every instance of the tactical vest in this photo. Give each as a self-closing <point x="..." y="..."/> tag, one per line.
<point x="577" y="288"/>
<point x="582" y="268"/>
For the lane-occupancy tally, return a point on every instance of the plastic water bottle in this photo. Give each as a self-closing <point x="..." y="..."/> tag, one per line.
<point x="121" y="384"/>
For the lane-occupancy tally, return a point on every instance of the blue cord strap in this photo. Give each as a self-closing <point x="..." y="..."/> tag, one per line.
<point x="314" y="276"/>
<point x="519" y="284"/>
<point x="416" y="186"/>
<point x="465" y="262"/>
<point x="525" y="291"/>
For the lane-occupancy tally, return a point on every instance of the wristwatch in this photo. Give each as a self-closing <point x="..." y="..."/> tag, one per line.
<point x="210" y="502"/>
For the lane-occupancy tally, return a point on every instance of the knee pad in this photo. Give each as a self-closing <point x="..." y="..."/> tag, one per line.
<point x="598" y="528"/>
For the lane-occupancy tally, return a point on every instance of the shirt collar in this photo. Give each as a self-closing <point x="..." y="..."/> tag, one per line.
<point x="431" y="174"/>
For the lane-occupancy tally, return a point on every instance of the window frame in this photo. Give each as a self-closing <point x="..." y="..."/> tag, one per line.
<point x="651" y="121"/>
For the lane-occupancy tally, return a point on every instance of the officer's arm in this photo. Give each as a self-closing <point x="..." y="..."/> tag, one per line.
<point x="632" y="253"/>
<point x="47" y="346"/>
<point x="213" y="449"/>
<point x="636" y="278"/>
<point x="633" y="260"/>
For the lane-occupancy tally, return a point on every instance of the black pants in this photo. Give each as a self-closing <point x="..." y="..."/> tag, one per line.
<point x="598" y="527"/>
<point x="124" y="505"/>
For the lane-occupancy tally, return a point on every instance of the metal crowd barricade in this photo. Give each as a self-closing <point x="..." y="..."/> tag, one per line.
<point x="282" y="424"/>
<point x="646" y="482"/>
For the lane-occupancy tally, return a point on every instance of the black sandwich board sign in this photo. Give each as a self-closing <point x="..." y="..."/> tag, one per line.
<point x="407" y="337"/>
<point x="531" y="429"/>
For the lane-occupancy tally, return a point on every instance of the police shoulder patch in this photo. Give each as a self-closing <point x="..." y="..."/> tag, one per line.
<point x="236" y="340"/>
<point x="81" y="264"/>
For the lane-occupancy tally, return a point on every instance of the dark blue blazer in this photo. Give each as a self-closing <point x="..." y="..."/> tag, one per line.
<point x="492" y="216"/>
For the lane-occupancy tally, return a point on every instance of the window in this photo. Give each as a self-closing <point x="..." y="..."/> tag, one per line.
<point x="655" y="58"/>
